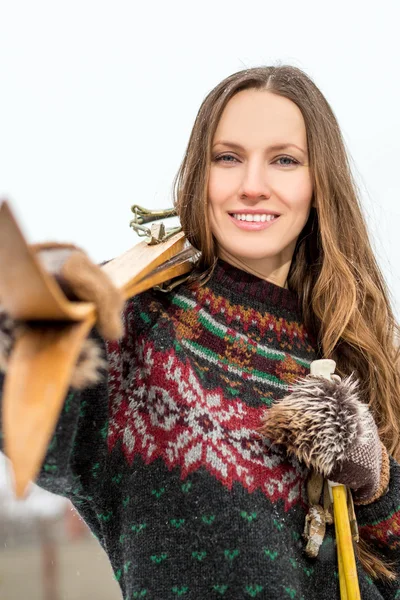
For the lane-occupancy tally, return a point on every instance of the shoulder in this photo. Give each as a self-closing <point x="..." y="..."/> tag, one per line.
<point x="145" y="310"/>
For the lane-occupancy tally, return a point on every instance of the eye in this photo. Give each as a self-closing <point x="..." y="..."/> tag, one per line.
<point x="293" y="161"/>
<point x="221" y="157"/>
<point x="229" y="158"/>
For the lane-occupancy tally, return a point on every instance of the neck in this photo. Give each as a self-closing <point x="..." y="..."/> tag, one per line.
<point x="277" y="275"/>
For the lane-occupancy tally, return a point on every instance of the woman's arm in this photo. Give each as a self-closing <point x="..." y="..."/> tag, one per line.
<point x="79" y="434"/>
<point x="86" y="405"/>
<point x="324" y="424"/>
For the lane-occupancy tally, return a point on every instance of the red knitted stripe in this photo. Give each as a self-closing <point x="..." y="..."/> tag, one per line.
<point x="385" y="532"/>
<point x="167" y="413"/>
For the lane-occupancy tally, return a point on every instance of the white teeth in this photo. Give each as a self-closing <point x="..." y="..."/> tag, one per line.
<point x="251" y="217"/>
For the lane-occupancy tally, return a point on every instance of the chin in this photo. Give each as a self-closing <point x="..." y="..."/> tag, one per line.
<point x="251" y="252"/>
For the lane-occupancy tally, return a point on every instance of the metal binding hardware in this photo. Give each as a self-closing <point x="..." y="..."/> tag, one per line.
<point x="158" y="232"/>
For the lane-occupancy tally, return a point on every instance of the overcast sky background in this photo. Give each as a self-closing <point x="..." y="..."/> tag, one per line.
<point x="98" y="100"/>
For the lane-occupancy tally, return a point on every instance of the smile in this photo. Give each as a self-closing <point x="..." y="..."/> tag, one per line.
<point x="253" y="222"/>
<point x="253" y="217"/>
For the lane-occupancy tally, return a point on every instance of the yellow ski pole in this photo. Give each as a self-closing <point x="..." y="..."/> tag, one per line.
<point x="348" y="578"/>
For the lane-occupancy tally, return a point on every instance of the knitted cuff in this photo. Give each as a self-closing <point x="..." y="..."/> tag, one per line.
<point x="384" y="479"/>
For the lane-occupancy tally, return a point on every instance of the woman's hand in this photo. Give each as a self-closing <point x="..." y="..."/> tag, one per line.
<point x="80" y="279"/>
<point x="325" y="425"/>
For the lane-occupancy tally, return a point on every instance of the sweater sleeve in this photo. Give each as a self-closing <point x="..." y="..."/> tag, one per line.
<point x="379" y="525"/>
<point x="77" y="453"/>
<point x="73" y="462"/>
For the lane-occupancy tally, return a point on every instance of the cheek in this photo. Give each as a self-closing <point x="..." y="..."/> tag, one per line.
<point x="220" y="187"/>
<point x="301" y="195"/>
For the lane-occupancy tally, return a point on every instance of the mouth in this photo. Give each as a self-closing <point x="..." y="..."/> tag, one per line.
<point x="254" y="217"/>
<point x="253" y="221"/>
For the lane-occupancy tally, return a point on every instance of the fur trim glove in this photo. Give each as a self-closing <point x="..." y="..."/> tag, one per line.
<point x="325" y="425"/>
<point x="80" y="279"/>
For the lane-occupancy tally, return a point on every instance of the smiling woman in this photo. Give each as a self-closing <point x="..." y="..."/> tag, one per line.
<point x="168" y="453"/>
<point x="257" y="181"/>
<point x="266" y="139"/>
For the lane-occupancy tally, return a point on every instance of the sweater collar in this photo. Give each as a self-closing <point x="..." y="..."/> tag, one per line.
<point x="249" y="287"/>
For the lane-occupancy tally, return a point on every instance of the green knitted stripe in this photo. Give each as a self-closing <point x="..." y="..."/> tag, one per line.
<point x="216" y="359"/>
<point x="183" y="302"/>
<point x="395" y="511"/>
<point x="222" y="332"/>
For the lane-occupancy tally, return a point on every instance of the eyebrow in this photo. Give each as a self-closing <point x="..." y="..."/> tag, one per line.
<point x="274" y="148"/>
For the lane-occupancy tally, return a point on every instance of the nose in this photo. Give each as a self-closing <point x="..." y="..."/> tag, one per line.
<point x="254" y="184"/>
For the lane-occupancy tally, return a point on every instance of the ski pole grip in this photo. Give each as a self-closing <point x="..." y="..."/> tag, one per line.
<point x="325" y="367"/>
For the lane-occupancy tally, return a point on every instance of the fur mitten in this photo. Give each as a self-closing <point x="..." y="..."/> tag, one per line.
<point x="80" y="279"/>
<point x="325" y="425"/>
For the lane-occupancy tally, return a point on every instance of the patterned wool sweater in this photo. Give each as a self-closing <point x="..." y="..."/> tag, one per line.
<point x="163" y="461"/>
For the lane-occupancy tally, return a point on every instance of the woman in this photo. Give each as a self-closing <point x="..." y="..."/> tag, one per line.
<point x="165" y="457"/>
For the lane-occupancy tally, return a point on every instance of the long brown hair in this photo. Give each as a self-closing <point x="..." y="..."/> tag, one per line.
<point x="342" y="292"/>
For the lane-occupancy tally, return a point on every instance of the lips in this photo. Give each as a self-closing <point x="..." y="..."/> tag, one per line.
<point x="253" y="212"/>
<point x="253" y="217"/>
<point x="253" y="225"/>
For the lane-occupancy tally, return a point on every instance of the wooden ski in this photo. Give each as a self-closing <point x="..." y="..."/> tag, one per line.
<point x="44" y="356"/>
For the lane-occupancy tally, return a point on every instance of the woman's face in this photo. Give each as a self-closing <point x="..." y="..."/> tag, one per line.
<point x="259" y="166"/>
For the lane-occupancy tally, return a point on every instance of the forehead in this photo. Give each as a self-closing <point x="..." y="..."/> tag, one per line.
<point x="261" y="117"/>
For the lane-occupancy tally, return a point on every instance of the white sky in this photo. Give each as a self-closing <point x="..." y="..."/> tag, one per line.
<point x="98" y="99"/>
